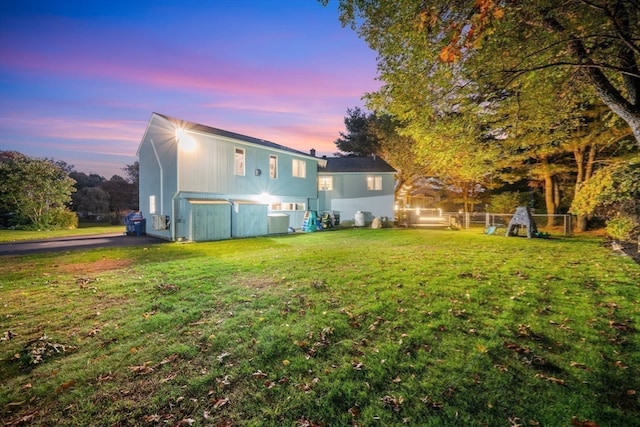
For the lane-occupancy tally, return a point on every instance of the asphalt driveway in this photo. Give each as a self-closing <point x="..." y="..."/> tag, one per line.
<point x="76" y="243"/>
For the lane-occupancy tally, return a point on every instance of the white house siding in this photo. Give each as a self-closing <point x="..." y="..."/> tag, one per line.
<point x="192" y="186"/>
<point x="158" y="169"/>
<point x="209" y="220"/>
<point x="350" y="195"/>
<point x="248" y="219"/>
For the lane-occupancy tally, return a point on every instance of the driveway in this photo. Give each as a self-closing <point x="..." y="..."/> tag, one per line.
<point x="76" y="243"/>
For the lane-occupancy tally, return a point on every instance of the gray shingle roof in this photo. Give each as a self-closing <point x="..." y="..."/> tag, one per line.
<point x="215" y="131"/>
<point x="356" y="164"/>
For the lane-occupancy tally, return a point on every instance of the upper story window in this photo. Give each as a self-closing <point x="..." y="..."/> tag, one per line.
<point x="325" y="183"/>
<point x="273" y="167"/>
<point x="299" y="168"/>
<point x="239" y="161"/>
<point x="374" y="183"/>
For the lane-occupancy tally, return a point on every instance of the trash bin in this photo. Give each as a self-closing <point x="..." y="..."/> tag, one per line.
<point x="140" y="227"/>
<point x="135" y="224"/>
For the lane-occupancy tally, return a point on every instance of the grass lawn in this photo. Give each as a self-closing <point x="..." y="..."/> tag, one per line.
<point x="84" y="229"/>
<point x="346" y="328"/>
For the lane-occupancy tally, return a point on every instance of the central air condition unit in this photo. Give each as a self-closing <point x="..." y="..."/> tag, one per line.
<point x="160" y="222"/>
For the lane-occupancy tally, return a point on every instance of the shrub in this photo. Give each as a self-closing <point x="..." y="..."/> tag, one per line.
<point x="622" y="228"/>
<point x="61" y="219"/>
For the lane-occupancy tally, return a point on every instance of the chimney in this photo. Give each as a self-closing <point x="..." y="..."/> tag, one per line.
<point x="313" y="152"/>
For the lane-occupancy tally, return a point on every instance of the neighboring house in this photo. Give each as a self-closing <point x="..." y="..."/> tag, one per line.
<point x="201" y="183"/>
<point x="351" y="184"/>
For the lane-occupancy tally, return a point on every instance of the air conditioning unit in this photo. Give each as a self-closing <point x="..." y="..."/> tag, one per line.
<point x="160" y="222"/>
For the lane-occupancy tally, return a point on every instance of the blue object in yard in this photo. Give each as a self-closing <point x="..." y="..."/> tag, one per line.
<point x="311" y="222"/>
<point x="135" y="224"/>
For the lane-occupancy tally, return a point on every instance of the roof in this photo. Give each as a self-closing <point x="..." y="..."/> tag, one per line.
<point x="214" y="131"/>
<point x="356" y="164"/>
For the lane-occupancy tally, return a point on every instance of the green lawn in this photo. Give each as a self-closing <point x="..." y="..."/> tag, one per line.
<point x="83" y="229"/>
<point x="346" y="328"/>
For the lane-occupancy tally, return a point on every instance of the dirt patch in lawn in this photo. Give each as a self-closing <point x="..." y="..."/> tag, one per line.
<point x="95" y="266"/>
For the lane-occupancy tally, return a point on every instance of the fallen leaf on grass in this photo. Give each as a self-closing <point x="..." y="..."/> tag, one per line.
<point x="586" y="423"/>
<point x="514" y="422"/>
<point x="22" y="419"/>
<point x="184" y="422"/>
<point x="66" y="385"/>
<point x="550" y="379"/>
<point x="304" y="422"/>
<point x="393" y="402"/>
<point x="169" y="359"/>
<point x="141" y="369"/>
<point x="621" y="365"/>
<point x="578" y="365"/>
<point x="622" y="326"/>
<point x="431" y="403"/>
<point x="220" y="403"/>
<point x="148" y="314"/>
<point x="357" y="365"/>
<point x="168" y="378"/>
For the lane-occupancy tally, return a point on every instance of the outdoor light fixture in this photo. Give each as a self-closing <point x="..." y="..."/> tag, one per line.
<point x="186" y="142"/>
<point x="258" y="172"/>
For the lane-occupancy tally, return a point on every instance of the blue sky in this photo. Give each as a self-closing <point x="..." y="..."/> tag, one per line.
<point x="80" y="79"/>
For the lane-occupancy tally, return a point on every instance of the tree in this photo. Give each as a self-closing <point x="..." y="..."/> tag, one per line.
<point x="496" y="43"/>
<point x="612" y="190"/>
<point x="132" y="173"/>
<point x="83" y="180"/>
<point x="92" y="200"/>
<point x="120" y="195"/>
<point x="360" y="139"/>
<point x="36" y="191"/>
<point x="614" y="194"/>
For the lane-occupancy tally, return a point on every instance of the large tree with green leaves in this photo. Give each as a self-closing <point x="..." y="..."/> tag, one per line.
<point x="35" y="191"/>
<point x="494" y="43"/>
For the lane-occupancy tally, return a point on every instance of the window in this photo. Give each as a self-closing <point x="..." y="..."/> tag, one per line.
<point x="325" y="183"/>
<point x="152" y="204"/>
<point x="273" y="167"/>
<point x="239" y="161"/>
<point x="286" y="206"/>
<point x="299" y="168"/>
<point x="374" y="183"/>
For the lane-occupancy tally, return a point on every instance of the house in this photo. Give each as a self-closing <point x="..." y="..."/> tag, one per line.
<point x="351" y="184"/>
<point x="201" y="183"/>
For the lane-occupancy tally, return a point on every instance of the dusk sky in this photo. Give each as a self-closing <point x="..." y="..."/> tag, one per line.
<point x="80" y="79"/>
